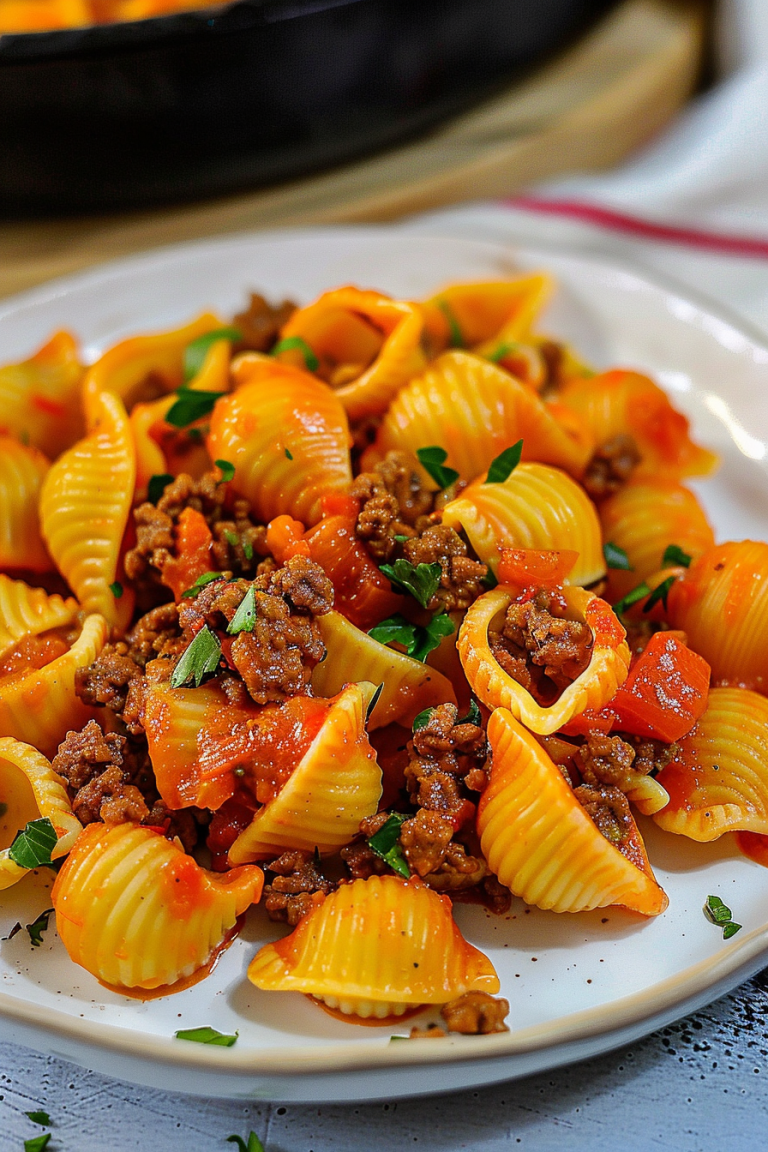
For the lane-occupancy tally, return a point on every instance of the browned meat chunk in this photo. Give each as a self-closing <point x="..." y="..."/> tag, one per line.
<point x="83" y="755"/>
<point x="609" y="809"/>
<point x="394" y="501"/>
<point x="296" y="887"/>
<point x="260" y="323"/>
<point x="476" y="1013"/>
<point x="362" y="861"/>
<point x="611" y="466"/>
<point x="304" y="585"/>
<point x="541" y="650"/>
<point x="461" y="579"/>
<point x="425" y="839"/>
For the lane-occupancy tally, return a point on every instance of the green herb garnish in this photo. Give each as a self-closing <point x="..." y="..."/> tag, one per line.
<point x="197" y="350"/>
<point x="207" y="1036"/>
<point x="32" y="847"/>
<point x="386" y="844"/>
<point x="247" y="549"/>
<point x="253" y="1145"/>
<point x="206" y="578"/>
<point x="660" y="592"/>
<point x="502" y="350"/>
<point x="418" y="640"/>
<point x="190" y="406"/>
<point x="288" y="454"/>
<point x="422" y="719"/>
<point x="41" y="1118"/>
<point x="157" y="485"/>
<point x="616" y="557"/>
<point x="116" y="589"/>
<point x="36" y="930"/>
<point x="716" y="911"/>
<point x="373" y="702"/>
<point x="490" y="580"/>
<point x="244" y="619"/>
<point x="456" y="338"/>
<point x="227" y="470"/>
<point x="433" y="459"/>
<point x="504" y="465"/>
<point x="198" y="660"/>
<point x="37" y="1143"/>
<point x="673" y="554"/>
<point x="631" y="598"/>
<point x="473" y="716"/>
<point x="311" y="361"/>
<point x="232" y="538"/>
<point x="422" y="581"/>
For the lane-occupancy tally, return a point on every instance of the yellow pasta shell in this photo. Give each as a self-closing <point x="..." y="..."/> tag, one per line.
<point x="535" y="507"/>
<point x="373" y="948"/>
<point x="335" y="785"/>
<point x="486" y="314"/>
<point x="22" y="471"/>
<point x="541" y="843"/>
<point x="40" y="398"/>
<point x="718" y="779"/>
<point x="474" y="410"/>
<point x="40" y="706"/>
<point x="136" y="912"/>
<point x="287" y="436"/>
<point x="607" y="668"/>
<point x="409" y="686"/>
<point x="26" y="611"/>
<point x="85" y="502"/>
<point x="29" y="790"/>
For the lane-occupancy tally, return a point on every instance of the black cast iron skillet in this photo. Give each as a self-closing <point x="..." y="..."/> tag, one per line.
<point x="253" y="92"/>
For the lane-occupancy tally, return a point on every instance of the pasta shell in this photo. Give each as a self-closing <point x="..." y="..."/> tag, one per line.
<point x="40" y="398"/>
<point x="40" y="706"/>
<point x="368" y="346"/>
<point x="721" y="603"/>
<point x="29" y="790"/>
<point x="718" y="779"/>
<point x="21" y="475"/>
<point x="607" y="668"/>
<point x="535" y="507"/>
<point x="335" y="785"/>
<point x="625" y="403"/>
<point x="286" y="434"/>
<point x="643" y="518"/>
<point x="84" y="506"/>
<point x="409" y="686"/>
<point x="485" y="316"/>
<point x="26" y="611"/>
<point x="540" y="842"/>
<point x="474" y="411"/>
<point x="136" y="912"/>
<point x="373" y="948"/>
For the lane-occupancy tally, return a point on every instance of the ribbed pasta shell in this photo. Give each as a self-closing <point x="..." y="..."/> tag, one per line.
<point x="718" y="779"/>
<point x="373" y="948"/>
<point x="607" y="668"/>
<point x="40" y="706"/>
<point x="493" y="312"/>
<point x="29" y="790"/>
<point x="371" y="341"/>
<point x="409" y="686"/>
<point x="474" y="411"/>
<point x="85" y="502"/>
<point x="336" y="784"/>
<point x="136" y="912"/>
<point x="721" y="603"/>
<point x="643" y="518"/>
<point x="621" y="402"/>
<point x="26" y="611"/>
<point x="22" y="471"/>
<point x="535" y="507"/>
<point x="40" y="398"/>
<point x="540" y="842"/>
<point x="287" y="436"/>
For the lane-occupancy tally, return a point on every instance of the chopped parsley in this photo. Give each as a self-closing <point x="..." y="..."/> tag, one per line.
<point x="247" y="549"/>
<point x="206" y="578"/>
<point x="502" y="350"/>
<point x="191" y="405"/>
<point x="421" y="580"/>
<point x="157" y="485"/>
<point x="232" y="538"/>
<point x="41" y="1118"/>
<point x="616" y="557"/>
<point x="311" y="361"/>
<point x="673" y="554"/>
<point x="490" y="579"/>
<point x="207" y="1035"/>
<point x="473" y="716"/>
<point x="456" y="337"/>
<point x="373" y="702"/>
<point x="433" y="459"/>
<point x="631" y="598"/>
<point x="198" y="660"/>
<point x="418" y="640"/>
<point x="116" y="589"/>
<point x="37" y="1143"/>
<point x="386" y="844"/>
<point x="422" y="719"/>
<point x="197" y="350"/>
<point x="244" y="619"/>
<point x="32" y="847"/>
<point x="253" y="1145"/>
<point x="504" y="465"/>
<point x="288" y="454"/>
<point x="718" y="913"/>
<point x="227" y="470"/>
<point x="36" y="930"/>
<point x="659" y="593"/>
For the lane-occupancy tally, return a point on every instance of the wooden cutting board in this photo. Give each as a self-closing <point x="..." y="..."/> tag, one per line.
<point x="586" y="109"/>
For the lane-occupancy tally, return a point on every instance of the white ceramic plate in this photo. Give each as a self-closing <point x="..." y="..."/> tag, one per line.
<point x="578" y="985"/>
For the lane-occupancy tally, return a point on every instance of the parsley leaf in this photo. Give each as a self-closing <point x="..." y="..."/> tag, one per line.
<point x="244" y="619"/>
<point x="432" y="460"/>
<point x="197" y="350"/>
<point x="207" y="1035"/>
<point x="386" y="844"/>
<point x="490" y="580"/>
<point x="716" y="911"/>
<point x="116" y="589"/>
<point x="247" y="549"/>
<point x="36" y="930"/>
<point x="157" y="485"/>
<point x="473" y="716"/>
<point x="631" y="598"/>
<point x="288" y="454"/>
<point x="673" y="554"/>
<point x="253" y="1145"/>
<point x="504" y="465"/>
<point x="616" y="557"/>
<point x="40" y="1117"/>
<point x="297" y="342"/>
<point x="190" y="406"/>
<point x="421" y="581"/>
<point x="502" y="350"/>
<point x="418" y="640"/>
<point x="37" y="1143"/>
<point x="373" y="702"/>
<point x="660" y="592"/>
<point x="13" y="932"/>
<point x="227" y="470"/>
<point x="730" y="929"/>
<point x="232" y="538"/>
<point x="456" y="338"/>
<point x="33" y="846"/>
<point x="206" y="578"/>
<point x="198" y="660"/>
<point x="422" y="719"/>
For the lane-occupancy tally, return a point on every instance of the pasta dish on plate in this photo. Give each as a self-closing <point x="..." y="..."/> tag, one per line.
<point x="353" y="611"/>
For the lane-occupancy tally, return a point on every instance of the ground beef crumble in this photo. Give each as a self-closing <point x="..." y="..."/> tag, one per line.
<point x="394" y="501"/>
<point x="295" y="887"/>
<point x="611" y="466"/>
<point x="461" y="579"/>
<point x="259" y="325"/>
<point x="473" y="1014"/>
<point x="542" y="651"/>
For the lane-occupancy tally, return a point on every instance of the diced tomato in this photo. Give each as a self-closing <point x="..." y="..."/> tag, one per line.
<point x="527" y="567"/>
<point x="227" y="823"/>
<point x="193" y="553"/>
<point x="363" y="593"/>
<point x="285" y="539"/>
